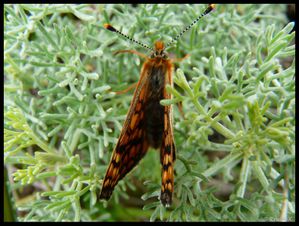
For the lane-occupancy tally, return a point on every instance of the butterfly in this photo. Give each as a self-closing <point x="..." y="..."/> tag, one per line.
<point x="148" y="123"/>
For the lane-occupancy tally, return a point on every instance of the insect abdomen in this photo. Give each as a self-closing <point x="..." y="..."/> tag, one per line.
<point x="154" y="111"/>
<point x="154" y="123"/>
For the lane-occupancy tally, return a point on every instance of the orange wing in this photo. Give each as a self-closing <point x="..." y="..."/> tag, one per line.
<point x="132" y="144"/>
<point x="167" y="152"/>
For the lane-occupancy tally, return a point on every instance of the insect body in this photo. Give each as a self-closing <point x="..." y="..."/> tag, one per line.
<point x="148" y="123"/>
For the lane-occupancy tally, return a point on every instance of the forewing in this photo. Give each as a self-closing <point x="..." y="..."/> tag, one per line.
<point x="167" y="150"/>
<point x="131" y="145"/>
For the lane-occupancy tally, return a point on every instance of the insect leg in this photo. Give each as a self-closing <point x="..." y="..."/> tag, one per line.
<point x="131" y="51"/>
<point x="127" y="89"/>
<point x="180" y="59"/>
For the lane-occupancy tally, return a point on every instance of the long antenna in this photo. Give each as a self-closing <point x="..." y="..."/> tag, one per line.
<point x="207" y="11"/>
<point x="110" y="28"/>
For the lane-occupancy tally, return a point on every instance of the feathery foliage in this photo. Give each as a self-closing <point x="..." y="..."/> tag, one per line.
<point x="235" y="144"/>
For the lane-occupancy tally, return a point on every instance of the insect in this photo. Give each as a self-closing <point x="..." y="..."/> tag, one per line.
<point x="148" y="123"/>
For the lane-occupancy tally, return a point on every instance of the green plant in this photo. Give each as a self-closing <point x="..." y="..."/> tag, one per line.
<point x="236" y="143"/>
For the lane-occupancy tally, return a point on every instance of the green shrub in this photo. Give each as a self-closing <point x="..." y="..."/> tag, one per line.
<point x="235" y="144"/>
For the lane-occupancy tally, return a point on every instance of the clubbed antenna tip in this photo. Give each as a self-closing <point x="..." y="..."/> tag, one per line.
<point x="109" y="27"/>
<point x="207" y="11"/>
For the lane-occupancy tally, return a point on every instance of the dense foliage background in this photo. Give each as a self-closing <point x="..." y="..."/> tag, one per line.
<point x="235" y="143"/>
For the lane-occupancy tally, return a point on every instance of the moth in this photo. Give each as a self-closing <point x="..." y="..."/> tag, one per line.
<point x="148" y="123"/>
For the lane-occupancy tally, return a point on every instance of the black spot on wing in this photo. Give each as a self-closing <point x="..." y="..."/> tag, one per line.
<point x="115" y="164"/>
<point x="167" y="149"/>
<point x="166" y="197"/>
<point x="106" y="192"/>
<point x="168" y="181"/>
<point x="165" y="166"/>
